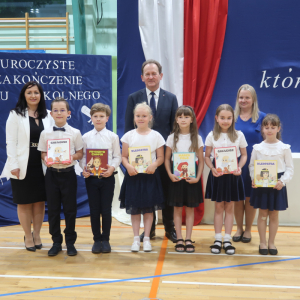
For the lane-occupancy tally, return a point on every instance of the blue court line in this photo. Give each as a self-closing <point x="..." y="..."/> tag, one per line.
<point x="147" y="277"/>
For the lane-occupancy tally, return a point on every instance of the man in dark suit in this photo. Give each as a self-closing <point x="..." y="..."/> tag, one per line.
<point x="164" y="106"/>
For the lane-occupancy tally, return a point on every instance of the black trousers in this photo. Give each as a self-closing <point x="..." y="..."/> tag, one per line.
<point x="61" y="189"/>
<point x="100" y="193"/>
<point x="168" y="211"/>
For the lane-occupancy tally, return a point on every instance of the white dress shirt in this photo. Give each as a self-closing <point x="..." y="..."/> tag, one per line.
<point x="103" y="139"/>
<point x="184" y="143"/>
<point x="71" y="133"/>
<point x="156" y="96"/>
<point x="277" y="151"/>
<point x="224" y="141"/>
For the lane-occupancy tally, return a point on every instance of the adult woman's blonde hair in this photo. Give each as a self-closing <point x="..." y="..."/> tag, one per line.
<point x="255" y="109"/>
<point x="232" y="134"/>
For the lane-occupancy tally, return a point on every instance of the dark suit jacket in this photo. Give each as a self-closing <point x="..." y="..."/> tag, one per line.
<point x="165" y="113"/>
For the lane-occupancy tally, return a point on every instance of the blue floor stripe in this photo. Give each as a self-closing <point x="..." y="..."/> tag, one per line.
<point x="147" y="277"/>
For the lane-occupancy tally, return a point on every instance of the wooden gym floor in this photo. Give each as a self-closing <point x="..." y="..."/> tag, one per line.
<point x="160" y="274"/>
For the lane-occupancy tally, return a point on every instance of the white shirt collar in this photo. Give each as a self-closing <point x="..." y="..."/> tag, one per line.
<point x="65" y="126"/>
<point x="156" y="92"/>
<point x="100" y="132"/>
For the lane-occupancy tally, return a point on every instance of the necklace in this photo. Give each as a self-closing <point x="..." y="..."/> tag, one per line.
<point x="246" y="118"/>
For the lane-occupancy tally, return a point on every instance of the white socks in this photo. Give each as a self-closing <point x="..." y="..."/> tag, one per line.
<point x="227" y="239"/>
<point x="218" y="242"/>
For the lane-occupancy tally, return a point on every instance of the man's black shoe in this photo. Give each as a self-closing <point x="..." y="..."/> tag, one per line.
<point x="71" y="250"/>
<point x="55" y="249"/>
<point x="171" y="235"/>
<point x="106" y="247"/>
<point x="97" y="247"/>
<point x="152" y="235"/>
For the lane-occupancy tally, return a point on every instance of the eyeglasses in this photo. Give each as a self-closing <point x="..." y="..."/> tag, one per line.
<point x="56" y="111"/>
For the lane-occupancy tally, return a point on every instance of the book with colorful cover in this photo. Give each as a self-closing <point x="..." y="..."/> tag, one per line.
<point x="96" y="161"/>
<point x="140" y="158"/>
<point x="226" y="159"/>
<point x="184" y="164"/>
<point x="265" y="173"/>
<point x="58" y="151"/>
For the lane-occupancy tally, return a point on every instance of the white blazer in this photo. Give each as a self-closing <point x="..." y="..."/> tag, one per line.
<point x="17" y="143"/>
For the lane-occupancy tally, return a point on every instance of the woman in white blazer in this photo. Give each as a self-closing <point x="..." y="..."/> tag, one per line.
<point x="24" y="165"/>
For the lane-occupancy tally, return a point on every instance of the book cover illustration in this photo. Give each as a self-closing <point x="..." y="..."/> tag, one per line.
<point x="265" y="173"/>
<point x="140" y="158"/>
<point x="58" y="151"/>
<point x="184" y="164"/>
<point x="96" y="161"/>
<point x="226" y="159"/>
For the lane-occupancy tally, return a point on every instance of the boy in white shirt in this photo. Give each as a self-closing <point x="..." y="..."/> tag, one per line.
<point x="60" y="179"/>
<point x="100" y="189"/>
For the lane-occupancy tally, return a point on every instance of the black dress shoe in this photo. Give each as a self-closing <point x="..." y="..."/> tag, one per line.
<point x="171" y="235"/>
<point x="238" y="238"/>
<point x="273" y="251"/>
<point x="262" y="251"/>
<point x="152" y="235"/>
<point x="246" y="240"/>
<point x="97" y="247"/>
<point x="40" y="246"/>
<point x="55" y="249"/>
<point x="106" y="247"/>
<point x="32" y="249"/>
<point x="71" y="250"/>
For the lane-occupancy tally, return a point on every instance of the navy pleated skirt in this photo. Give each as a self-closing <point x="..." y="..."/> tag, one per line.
<point x="141" y="193"/>
<point x="269" y="198"/>
<point x="227" y="188"/>
<point x="182" y="193"/>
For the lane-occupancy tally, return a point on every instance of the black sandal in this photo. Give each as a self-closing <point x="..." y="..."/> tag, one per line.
<point x="228" y="247"/>
<point x="189" y="246"/>
<point x="179" y="245"/>
<point x="217" y="247"/>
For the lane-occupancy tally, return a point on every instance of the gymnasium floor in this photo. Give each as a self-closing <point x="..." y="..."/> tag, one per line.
<point x="160" y="274"/>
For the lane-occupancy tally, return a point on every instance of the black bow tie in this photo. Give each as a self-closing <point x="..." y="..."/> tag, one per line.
<point x="58" y="128"/>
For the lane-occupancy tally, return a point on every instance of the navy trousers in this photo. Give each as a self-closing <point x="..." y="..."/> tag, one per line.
<point x="100" y="193"/>
<point x="61" y="189"/>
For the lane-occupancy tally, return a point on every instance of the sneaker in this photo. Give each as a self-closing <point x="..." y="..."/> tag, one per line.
<point x="97" y="247"/>
<point x="55" y="249"/>
<point x="147" y="246"/>
<point x="71" y="250"/>
<point x="135" y="247"/>
<point x="106" y="247"/>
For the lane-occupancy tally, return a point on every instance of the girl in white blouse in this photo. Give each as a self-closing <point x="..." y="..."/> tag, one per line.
<point x="185" y="192"/>
<point x="141" y="193"/>
<point x="228" y="188"/>
<point x="271" y="200"/>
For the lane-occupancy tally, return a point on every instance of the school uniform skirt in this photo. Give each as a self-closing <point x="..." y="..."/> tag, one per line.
<point x="142" y="193"/>
<point x="182" y="193"/>
<point x="269" y="198"/>
<point x="227" y="188"/>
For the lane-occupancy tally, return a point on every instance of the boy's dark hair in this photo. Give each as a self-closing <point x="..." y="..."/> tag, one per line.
<point x="60" y="99"/>
<point x="100" y="107"/>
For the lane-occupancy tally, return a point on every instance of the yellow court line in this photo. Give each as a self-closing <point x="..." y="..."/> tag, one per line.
<point x="159" y="266"/>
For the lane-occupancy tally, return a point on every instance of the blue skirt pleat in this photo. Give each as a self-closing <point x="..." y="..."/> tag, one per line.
<point x="141" y="193"/>
<point x="269" y="198"/>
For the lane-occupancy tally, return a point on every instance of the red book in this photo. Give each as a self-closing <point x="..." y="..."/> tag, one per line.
<point x="96" y="161"/>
